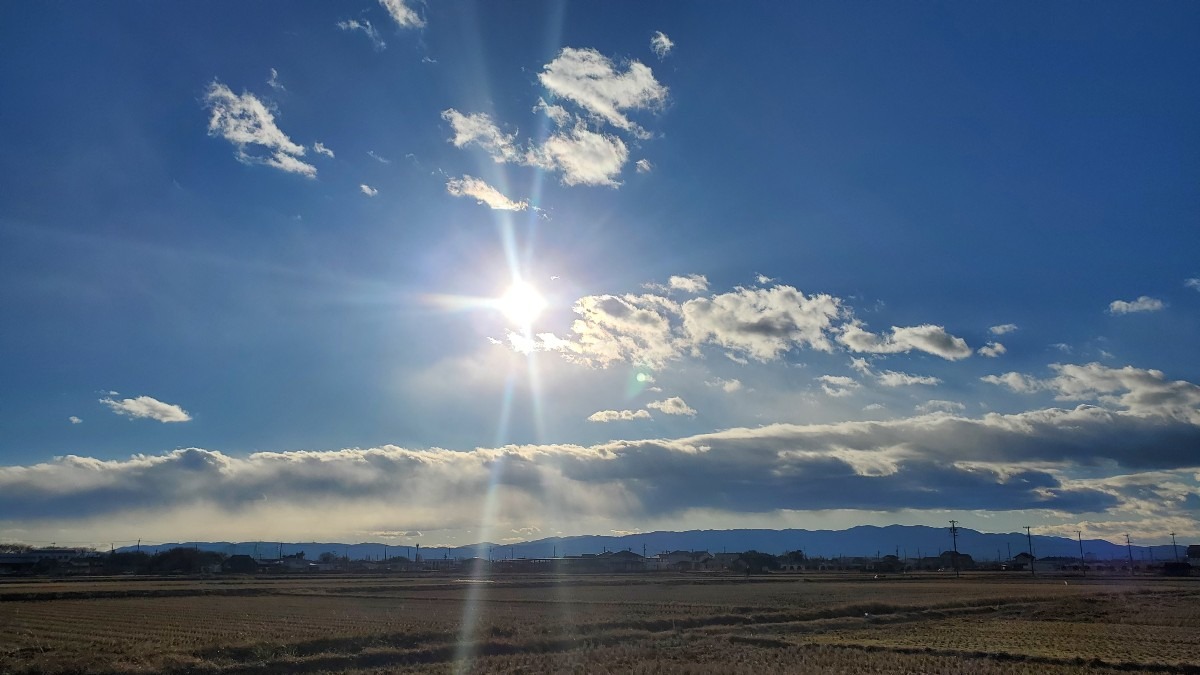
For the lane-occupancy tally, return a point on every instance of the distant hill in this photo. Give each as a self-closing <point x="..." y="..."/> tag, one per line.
<point x="863" y="540"/>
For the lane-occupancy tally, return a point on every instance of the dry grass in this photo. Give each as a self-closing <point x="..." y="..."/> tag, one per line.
<point x="629" y="624"/>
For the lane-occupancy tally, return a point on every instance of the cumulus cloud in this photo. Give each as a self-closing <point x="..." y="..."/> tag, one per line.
<point x="320" y="149"/>
<point x="249" y="125"/>
<point x="1137" y="390"/>
<point x="481" y="192"/>
<point x="402" y="14"/>
<point x="618" y="416"/>
<point x="891" y="378"/>
<point x="944" y="461"/>
<point x="479" y="130"/>
<point x="366" y="28"/>
<point x="838" y="386"/>
<point x="643" y="166"/>
<point x="75" y="420"/>
<point x="1003" y="329"/>
<point x="660" y="44"/>
<point x="368" y="190"/>
<point x="635" y="328"/>
<point x="594" y="82"/>
<point x="926" y="338"/>
<point x="1143" y="304"/>
<point x="937" y="405"/>
<point x="583" y="156"/>
<point x="761" y="323"/>
<point x="992" y="350"/>
<point x="148" y="407"/>
<point x="692" y="283"/>
<point x="672" y="406"/>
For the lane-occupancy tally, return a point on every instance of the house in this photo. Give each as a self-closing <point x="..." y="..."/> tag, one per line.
<point x="687" y="561"/>
<point x="239" y="564"/>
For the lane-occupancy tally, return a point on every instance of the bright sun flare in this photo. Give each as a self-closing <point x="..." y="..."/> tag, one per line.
<point x="521" y="304"/>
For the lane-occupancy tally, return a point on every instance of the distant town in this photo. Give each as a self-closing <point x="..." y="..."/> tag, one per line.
<point x="25" y="560"/>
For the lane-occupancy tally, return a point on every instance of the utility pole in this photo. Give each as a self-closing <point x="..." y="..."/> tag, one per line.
<point x="954" y="539"/>
<point x="1129" y="549"/>
<point x="139" y="546"/>
<point x="1174" y="547"/>
<point x="1082" y="562"/>
<point x="1029" y="538"/>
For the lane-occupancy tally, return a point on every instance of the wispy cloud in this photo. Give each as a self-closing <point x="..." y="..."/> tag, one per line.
<point x="402" y="14"/>
<point x="1003" y="329"/>
<point x="147" y="407"/>
<point x="469" y="186"/>
<point x="248" y="124"/>
<point x="892" y="378"/>
<point x="661" y="45"/>
<point x="273" y="81"/>
<point x="692" y="283"/>
<point x="75" y="420"/>
<point x="367" y="29"/>
<point x="838" y="386"/>
<point x="368" y="190"/>
<point x="1143" y="304"/>
<point x="320" y="149"/>
<point x="1192" y="283"/>
<point x="643" y="166"/>
<point x="378" y="158"/>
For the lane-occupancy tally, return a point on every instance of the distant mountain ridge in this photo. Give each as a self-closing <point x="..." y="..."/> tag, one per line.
<point x="910" y="541"/>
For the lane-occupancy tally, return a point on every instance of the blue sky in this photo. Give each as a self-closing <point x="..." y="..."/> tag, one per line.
<point x="798" y="264"/>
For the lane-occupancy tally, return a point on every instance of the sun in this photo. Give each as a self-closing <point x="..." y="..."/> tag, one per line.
<point x="521" y="304"/>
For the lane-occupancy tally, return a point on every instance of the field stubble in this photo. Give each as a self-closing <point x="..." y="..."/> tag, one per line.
<point x="602" y="624"/>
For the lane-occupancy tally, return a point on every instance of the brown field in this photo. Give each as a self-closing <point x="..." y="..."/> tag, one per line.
<point x="640" y="624"/>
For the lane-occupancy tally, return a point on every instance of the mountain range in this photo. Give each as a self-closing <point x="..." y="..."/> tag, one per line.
<point x="909" y="541"/>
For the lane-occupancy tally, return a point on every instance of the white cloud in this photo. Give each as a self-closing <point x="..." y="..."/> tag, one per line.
<point x="591" y="80"/>
<point x="871" y="407"/>
<point x="584" y="157"/>
<point x="320" y="149"/>
<point x="478" y="129"/>
<point x="75" y="420"/>
<point x="1192" y="283"/>
<point x="618" y="416"/>
<point x="469" y="186"/>
<point x="728" y="386"/>
<point x="996" y="462"/>
<point x="378" y="158"/>
<point x="1137" y="390"/>
<point x="1003" y="329"/>
<point x="992" y="350"/>
<point x="368" y="190"/>
<point x="558" y="114"/>
<point x="634" y="328"/>
<point x="763" y="279"/>
<point x="937" y="405"/>
<point x="660" y="44"/>
<point x="838" y="386"/>
<point x="402" y="14"/>
<point x="643" y="166"/>
<point x="1022" y="384"/>
<point x="1062" y="347"/>
<point x="926" y="338"/>
<point x="891" y="378"/>
<point x="672" y="406"/>
<point x="1142" y="304"/>
<point x="761" y="322"/>
<point x="145" y="406"/>
<point x="367" y="29"/>
<point x="247" y="123"/>
<point x="692" y="283"/>
<point x="273" y="81"/>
